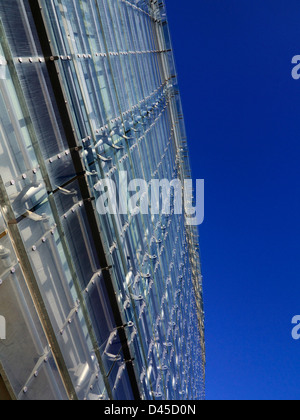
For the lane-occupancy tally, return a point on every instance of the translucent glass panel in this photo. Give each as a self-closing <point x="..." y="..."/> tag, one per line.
<point x="40" y="107"/>
<point x="35" y="162"/>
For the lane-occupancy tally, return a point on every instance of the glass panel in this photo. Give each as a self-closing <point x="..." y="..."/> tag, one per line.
<point x="25" y="340"/>
<point x="42" y="385"/>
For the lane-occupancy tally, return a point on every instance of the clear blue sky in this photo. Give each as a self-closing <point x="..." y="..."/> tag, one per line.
<point x="242" y="112"/>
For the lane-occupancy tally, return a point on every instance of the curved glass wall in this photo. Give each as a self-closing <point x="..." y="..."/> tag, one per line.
<point x="105" y="306"/>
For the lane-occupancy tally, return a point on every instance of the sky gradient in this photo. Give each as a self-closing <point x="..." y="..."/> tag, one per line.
<point x="242" y="112"/>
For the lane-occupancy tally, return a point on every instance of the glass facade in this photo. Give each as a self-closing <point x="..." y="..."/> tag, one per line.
<point x="96" y="306"/>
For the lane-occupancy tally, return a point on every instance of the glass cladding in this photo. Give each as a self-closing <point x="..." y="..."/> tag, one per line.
<point x="97" y="306"/>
